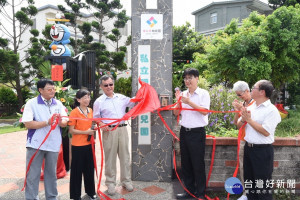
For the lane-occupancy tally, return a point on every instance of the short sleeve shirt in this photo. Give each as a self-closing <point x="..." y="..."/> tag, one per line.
<point x="82" y="125"/>
<point x="268" y="116"/>
<point x="194" y="119"/>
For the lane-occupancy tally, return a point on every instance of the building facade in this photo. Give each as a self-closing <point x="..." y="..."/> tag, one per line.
<point x="217" y="15"/>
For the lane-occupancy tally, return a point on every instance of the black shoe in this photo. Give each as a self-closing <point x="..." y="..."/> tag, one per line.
<point x="92" y="197"/>
<point x="184" y="195"/>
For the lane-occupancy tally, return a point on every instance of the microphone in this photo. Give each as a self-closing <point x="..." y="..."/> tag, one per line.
<point x="90" y="136"/>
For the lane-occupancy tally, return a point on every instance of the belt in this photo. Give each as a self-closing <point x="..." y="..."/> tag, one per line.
<point x="257" y="145"/>
<point x="120" y="125"/>
<point x="190" y="129"/>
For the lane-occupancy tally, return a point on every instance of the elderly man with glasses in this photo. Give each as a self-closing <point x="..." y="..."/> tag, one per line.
<point x="241" y="88"/>
<point x="262" y="119"/>
<point x="113" y="105"/>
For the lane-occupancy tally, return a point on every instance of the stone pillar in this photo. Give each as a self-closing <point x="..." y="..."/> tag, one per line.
<point x="152" y="23"/>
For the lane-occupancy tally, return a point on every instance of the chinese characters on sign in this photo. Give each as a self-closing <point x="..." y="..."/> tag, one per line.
<point x="57" y="73"/>
<point x="271" y="186"/>
<point x="151" y="26"/>
<point x="144" y="73"/>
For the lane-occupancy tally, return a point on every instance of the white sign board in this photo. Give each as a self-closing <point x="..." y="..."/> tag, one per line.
<point x="151" y="26"/>
<point x="144" y="72"/>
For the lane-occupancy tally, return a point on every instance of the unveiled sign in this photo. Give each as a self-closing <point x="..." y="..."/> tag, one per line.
<point x="144" y="73"/>
<point x="151" y="26"/>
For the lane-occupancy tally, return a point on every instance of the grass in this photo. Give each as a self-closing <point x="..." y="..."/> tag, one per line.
<point x="10" y="117"/>
<point x="290" y="126"/>
<point x="10" y="129"/>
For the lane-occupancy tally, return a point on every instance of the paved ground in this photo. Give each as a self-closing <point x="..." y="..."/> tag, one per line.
<point x="12" y="171"/>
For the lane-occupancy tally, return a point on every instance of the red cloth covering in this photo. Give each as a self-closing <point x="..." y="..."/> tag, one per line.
<point x="147" y="99"/>
<point x="61" y="168"/>
<point x="281" y="109"/>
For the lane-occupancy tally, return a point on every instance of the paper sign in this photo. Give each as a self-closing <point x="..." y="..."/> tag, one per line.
<point x="57" y="73"/>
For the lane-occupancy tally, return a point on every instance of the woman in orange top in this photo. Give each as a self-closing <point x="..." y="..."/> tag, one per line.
<point x="82" y="155"/>
<point x="242" y="90"/>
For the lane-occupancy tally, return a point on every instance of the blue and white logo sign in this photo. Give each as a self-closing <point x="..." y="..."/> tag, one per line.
<point x="233" y="186"/>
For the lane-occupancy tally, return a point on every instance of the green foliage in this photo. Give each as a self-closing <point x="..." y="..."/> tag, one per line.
<point x="8" y="59"/>
<point x="73" y="14"/>
<point x="7" y="96"/>
<point x="123" y="86"/>
<point x="290" y="126"/>
<point x="282" y="35"/>
<point x="3" y="42"/>
<point x="10" y="129"/>
<point x="278" y="3"/>
<point x="262" y="48"/>
<point x="294" y="93"/>
<point x="186" y="42"/>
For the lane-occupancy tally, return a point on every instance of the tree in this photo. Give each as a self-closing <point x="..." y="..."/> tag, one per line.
<point x="278" y="3"/>
<point x="19" y="20"/>
<point x="283" y="40"/>
<point x="186" y="42"/>
<point x="73" y="16"/>
<point x="262" y="48"/>
<point x="105" y="11"/>
<point x="239" y="54"/>
<point x="38" y="49"/>
<point x="115" y="36"/>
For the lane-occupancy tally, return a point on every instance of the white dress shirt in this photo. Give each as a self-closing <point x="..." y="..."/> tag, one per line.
<point x="194" y="119"/>
<point x="268" y="116"/>
<point x="115" y="107"/>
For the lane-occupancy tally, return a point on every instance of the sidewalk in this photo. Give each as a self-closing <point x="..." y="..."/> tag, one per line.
<point x="12" y="172"/>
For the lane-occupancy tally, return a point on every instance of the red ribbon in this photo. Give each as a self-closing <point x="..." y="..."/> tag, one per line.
<point x="238" y="152"/>
<point x="53" y="126"/>
<point x="133" y="113"/>
<point x="101" y="195"/>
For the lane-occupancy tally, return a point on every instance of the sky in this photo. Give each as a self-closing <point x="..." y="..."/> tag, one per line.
<point x="182" y="9"/>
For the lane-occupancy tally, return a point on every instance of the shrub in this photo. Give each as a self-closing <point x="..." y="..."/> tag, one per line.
<point x="290" y="126"/>
<point x="123" y="86"/>
<point x="220" y="100"/>
<point x="8" y="96"/>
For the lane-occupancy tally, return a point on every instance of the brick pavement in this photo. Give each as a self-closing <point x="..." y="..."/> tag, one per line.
<point x="12" y="172"/>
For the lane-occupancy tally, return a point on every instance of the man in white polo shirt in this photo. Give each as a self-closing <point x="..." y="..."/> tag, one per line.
<point x="115" y="142"/>
<point x="37" y="117"/>
<point x="192" y="135"/>
<point x="262" y="119"/>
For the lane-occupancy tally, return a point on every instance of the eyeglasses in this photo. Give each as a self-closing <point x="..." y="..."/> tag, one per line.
<point x="106" y="85"/>
<point x="188" y="78"/>
<point x="255" y="88"/>
<point x="239" y="95"/>
<point x="49" y="89"/>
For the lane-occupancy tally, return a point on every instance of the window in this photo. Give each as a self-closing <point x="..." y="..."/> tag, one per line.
<point x="213" y="18"/>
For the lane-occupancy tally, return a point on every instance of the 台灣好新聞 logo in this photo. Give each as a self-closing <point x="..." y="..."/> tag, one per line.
<point x="233" y="186"/>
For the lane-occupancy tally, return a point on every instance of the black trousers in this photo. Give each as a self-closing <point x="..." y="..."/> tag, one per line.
<point x="82" y="164"/>
<point x="192" y="147"/>
<point x="258" y="166"/>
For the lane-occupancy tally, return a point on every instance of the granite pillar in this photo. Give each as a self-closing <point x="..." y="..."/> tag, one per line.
<point x="153" y="161"/>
